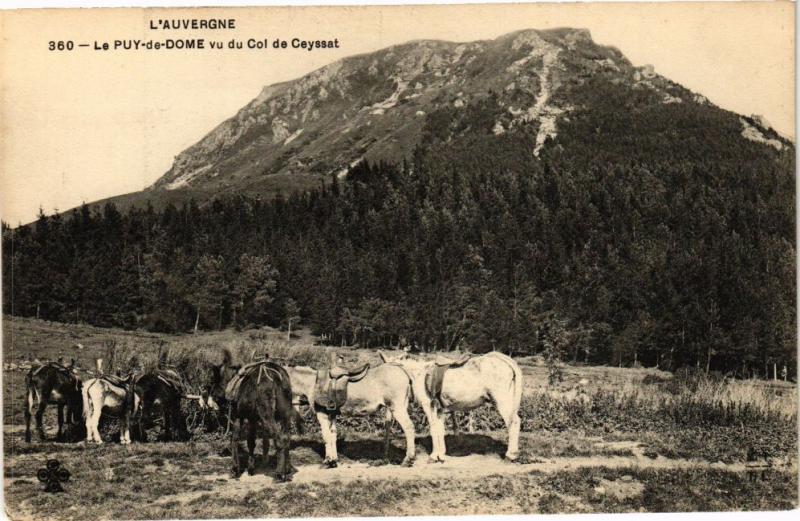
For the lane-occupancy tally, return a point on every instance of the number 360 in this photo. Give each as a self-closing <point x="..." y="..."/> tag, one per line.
<point x="60" y="45"/>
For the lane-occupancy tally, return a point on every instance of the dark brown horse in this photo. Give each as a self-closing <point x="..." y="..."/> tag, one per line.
<point x="152" y="392"/>
<point x="259" y="395"/>
<point x="52" y="383"/>
<point x="215" y="380"/>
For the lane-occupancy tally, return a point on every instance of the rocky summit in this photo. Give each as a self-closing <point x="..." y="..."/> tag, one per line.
<point x="380" y="106"/>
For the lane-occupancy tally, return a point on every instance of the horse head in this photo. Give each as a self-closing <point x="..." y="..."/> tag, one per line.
<point x="213" y="392"/>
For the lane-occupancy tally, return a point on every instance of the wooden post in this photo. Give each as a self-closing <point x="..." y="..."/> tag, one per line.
<point x="775" y="371"/>
<point x="98" y="362"/>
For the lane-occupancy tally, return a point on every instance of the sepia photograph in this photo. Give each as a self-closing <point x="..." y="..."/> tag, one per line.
<point x="398" y="260"/>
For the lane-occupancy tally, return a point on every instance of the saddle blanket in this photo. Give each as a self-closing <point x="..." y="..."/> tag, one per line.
<point x="66" y="371"/>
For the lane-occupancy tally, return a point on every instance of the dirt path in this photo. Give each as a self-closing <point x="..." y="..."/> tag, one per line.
<point x="465" y="467"/>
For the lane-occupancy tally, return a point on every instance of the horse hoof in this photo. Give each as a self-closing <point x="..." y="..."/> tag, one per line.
<point x="331" y="464"/>
<point x="283" y="478"/>
<point x="408" y="462"/>
<point x="512" y="458"/>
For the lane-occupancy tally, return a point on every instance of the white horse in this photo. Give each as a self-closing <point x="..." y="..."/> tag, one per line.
<point x="386" y="387"/>
<point x="493" y="377"/>
<point x="105" y="395"/>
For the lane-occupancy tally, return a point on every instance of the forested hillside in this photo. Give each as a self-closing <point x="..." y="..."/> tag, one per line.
<point x="641" y="245"/>
<point x="618" y="219"/>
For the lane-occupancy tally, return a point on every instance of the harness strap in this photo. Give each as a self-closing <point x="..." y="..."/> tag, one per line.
<point x="262" y="367"/>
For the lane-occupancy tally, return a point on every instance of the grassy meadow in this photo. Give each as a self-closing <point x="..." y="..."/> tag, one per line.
<point x="602" y="439"/>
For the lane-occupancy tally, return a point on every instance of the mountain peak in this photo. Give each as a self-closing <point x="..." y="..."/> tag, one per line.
<point x="382" y="105"/>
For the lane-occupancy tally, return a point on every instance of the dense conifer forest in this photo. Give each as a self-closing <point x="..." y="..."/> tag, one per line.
<point x="626" y="242"/>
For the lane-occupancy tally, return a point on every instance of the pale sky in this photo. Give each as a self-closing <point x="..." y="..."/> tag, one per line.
<point x="82" y="125"/>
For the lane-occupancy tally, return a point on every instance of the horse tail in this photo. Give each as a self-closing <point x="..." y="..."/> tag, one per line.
<point x="516" y="377"/>
<point x="87" y="402"/>
<point x="130" y="397"/>
<point x="36" y="391"/>
<point x="32" y="396"/>
<point x="410" y="390"/>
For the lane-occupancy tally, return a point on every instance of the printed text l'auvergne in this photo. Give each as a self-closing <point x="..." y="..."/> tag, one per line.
<point x="192" y="23"/>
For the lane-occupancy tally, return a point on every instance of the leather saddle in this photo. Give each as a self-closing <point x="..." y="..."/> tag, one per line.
<point x="260" y="369"/>
<point x="435" y="376"/>
<point x="117" y="380"/>
<point x="171" y="378"/>
<point x="68" y="371"/>
<point x="330" y="390"/>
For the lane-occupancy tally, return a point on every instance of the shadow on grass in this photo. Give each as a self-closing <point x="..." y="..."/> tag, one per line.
<point x="372" y="450"/>
<point x="362" y="450"/>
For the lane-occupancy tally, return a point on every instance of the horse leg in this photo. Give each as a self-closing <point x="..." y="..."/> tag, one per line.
<point x="235" y="426"/>
<point x="28" y="411"/>
<point x="509" y="413"/>
<point x="39" y="419"/>
<point x="141" y="429"/>
<point x="88" y="413"/>
<point x="93" y="424"/>
<point x="325" y="428"/>
<point x="72" y="421"/>
<point x="334" y="436"/>
<point x="454" y="422"/>
<point x="179" y="428"/>
<point x="281" y="435"/>
<point x="387" y="427"/>
<point x="284" y="466"/>
<point x="402" y="417"/>
<point x="251" y="447"/>
<point x="60" y="433"/>
<point x="265" y="445"/>
<point x="167" y="434"/>
<point x="430" y="415"/>
<point x="438" y="430"/>
<point x="124" y="430"/>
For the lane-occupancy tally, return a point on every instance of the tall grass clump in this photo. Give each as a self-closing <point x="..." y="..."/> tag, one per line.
<point x="700" y="415"/>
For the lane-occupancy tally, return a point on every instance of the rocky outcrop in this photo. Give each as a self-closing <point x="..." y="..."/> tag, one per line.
<point x="382" y="105"/>
<point x="377" y="105"/>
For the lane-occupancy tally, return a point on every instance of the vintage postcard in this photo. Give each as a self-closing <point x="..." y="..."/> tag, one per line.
<point x="398" y="260"/>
